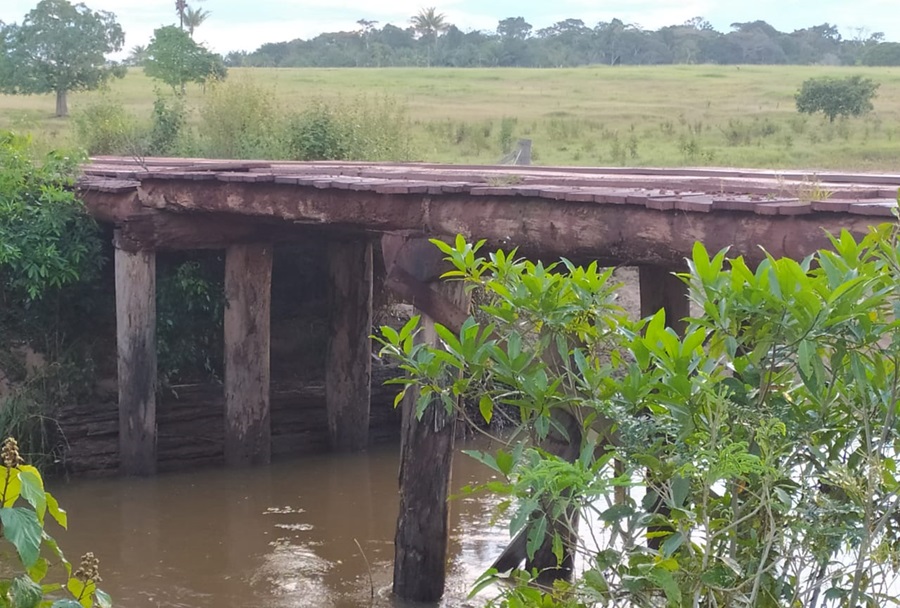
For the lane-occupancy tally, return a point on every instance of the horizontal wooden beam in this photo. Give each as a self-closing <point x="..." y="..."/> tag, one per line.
<point x="620" y="233"/>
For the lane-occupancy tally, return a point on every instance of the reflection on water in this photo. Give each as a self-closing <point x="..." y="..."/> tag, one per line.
<point x="281" y="536"/>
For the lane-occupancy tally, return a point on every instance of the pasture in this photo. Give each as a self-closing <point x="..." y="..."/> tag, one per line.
<point x="639" y="116"/>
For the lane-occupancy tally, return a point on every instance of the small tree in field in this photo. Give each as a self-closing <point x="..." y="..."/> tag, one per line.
<point x="59" y="47"/>
<point x="851" y="96"/>
<point x="173" y="57"/>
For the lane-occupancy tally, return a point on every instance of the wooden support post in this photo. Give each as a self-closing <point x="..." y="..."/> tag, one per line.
<point x="660" y="289"/>
<point x="348" y="361"/>
<point x="248" y="287"/>
<point x="136" y="343"/>
<point x="426" y="456"/>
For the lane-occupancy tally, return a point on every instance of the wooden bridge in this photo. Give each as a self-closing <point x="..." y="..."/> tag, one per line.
<point x="648" y="218"/>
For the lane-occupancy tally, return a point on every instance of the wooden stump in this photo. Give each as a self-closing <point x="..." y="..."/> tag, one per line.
<point x="426" y="456"/>
<point x="136" y="344"/>
<point x="660" y="289"/>
<point x="248" y="283"/>
<point x="348" y="361"/>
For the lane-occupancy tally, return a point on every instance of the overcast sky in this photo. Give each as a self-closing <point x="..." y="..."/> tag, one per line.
<point x="242" y="25"/>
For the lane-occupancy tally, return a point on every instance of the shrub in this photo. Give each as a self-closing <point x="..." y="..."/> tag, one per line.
<point x="749" y="462"/>
<point x="167" y="126"/>
<point x="362" y="129"/>
<point x="103" y="126"/>
<point x="239" y="119"/>
<point x="851" y="96"/>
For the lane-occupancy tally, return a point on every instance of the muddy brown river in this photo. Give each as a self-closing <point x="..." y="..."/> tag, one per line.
<point x="280" y="536"/>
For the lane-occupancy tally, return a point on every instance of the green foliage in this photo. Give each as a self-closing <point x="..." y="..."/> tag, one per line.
<point x="60" y="47"/>
<point x="239" y="119"/>
<point x="47" y="241"/>
<point x="174" y="58"/>
<point x="756" y="453"/>
<point x="104" y="126"/>
<point x="50" y="258"/>
<point x="361" y="129"/>
<point x="850" y="96"/>
<point x="884" y="54"/>
<point x="190" y="311"/>
<point x="167" y="126"/>
<point x="25" y="505"/>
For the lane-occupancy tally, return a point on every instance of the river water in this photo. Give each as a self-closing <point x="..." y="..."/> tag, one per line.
<point x="282" y="536"/>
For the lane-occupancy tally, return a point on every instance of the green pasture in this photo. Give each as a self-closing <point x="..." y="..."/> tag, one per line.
<point x="625" y="115"/>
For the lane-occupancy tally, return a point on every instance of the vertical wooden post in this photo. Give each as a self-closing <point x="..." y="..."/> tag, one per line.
<point x="426" y="456"/>
<point x="136" y="344"/>
<point x="660" y="289"/>
<point x="248" y="285"/>
<point x="348" y="360"/>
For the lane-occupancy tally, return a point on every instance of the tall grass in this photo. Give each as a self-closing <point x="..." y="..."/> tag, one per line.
<point x="668" y="115"/>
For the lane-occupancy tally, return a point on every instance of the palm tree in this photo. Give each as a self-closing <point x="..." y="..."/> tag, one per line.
<point x="180" y="8"/>
<point x="194" y="18"/>
<point x="429" y="22"/>
<point x="137" y="56"/>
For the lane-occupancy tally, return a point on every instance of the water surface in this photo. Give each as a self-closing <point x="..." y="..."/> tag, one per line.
<point x="282" y="536"/>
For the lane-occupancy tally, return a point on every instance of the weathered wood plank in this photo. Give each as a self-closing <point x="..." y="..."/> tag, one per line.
<point x="248" y="283"/>
<point x="426" y="455"/>
<point x="348" y="360"/>
<point x="136" y="345"/>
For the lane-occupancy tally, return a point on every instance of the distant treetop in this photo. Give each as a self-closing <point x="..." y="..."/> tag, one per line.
<point x="431" y="39"/>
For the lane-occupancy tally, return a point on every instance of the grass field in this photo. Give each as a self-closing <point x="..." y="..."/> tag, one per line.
<point x="661" y="116"/>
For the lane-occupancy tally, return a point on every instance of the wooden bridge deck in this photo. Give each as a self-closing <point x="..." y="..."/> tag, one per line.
<point x="645" y="217"/>
<point x="620" y="215"/>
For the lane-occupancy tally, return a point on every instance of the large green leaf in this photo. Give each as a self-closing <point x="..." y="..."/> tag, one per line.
<point x="22" y="528"/>
<point x="25" y="593"/>
<point x="33" y="491"/>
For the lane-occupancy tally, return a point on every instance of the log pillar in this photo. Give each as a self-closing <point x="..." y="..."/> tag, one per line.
<point x="348" y="360"/>
<point x="426" y="456"/>
<point x="248" y="283"/>
<point x="136" y="345"/>
<point x="660" y="289"/>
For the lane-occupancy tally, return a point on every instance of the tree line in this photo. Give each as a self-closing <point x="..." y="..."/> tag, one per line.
<point x="430" y="40"/>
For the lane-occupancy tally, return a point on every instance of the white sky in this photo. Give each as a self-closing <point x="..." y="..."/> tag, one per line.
<point x="243" y="25"/>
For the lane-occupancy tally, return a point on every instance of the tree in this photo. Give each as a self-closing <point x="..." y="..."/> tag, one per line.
<point x="883" y="54"/>
<point x="429" y="23"/>
<point x="59" y="48"/>
<point x="194" y="18"/>
<point x="137" y="56"/>
<point x="851" y="96"/>
<point x="174" y="58"/>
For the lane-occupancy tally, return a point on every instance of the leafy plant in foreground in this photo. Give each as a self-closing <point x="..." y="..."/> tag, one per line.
<point x="25" y="505"/>
<point x="749" y="462"/>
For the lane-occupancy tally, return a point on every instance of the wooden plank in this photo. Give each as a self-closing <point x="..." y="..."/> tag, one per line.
<point x="248" y="282"/>
<point x="136" y="345"/>
<point x="348" y="359"/>
<point x="426" y="455"/>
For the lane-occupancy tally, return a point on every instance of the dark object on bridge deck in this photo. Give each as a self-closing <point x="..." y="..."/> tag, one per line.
<point x="136" y="339"/>
<point x="348" y="361"/>
<point x="248" y="294"/>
